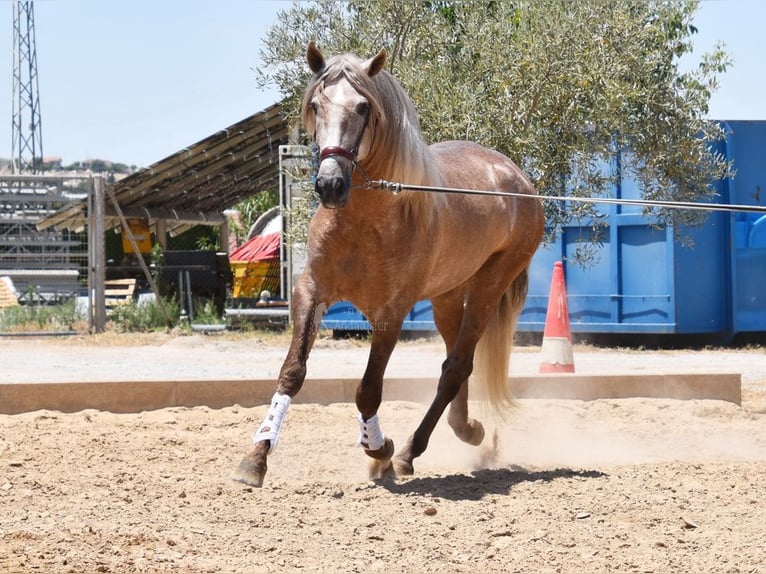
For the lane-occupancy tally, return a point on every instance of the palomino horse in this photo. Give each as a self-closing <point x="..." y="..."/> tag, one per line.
<point x="384" y="252"/>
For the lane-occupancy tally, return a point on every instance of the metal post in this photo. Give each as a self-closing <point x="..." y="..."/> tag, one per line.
<point x="184" y="315"/>
<point x="91" y="227"/>
<point x="223" y="236"/>
<point x="99" y="255"/>
<point x="27" y="146"/>
<point x="189" y="303"/>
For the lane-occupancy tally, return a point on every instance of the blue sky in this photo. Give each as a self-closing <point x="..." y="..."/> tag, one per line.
<point x="136" y="80"/>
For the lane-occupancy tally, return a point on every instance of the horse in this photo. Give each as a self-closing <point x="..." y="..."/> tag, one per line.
<point x="383" y="252"/>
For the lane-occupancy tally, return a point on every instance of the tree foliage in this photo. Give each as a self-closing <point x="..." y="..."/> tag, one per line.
<point x="251" y="209"/>
<point x="557" y="85"/>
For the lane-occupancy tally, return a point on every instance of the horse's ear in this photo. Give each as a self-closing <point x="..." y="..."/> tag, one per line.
<point x="375" y="65"/>
<point x="315" y="58"/>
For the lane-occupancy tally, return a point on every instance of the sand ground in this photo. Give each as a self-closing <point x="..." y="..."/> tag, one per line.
<point x="631" y="485"/>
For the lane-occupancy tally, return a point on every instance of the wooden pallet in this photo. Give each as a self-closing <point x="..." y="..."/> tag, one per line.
<point x="7" y="293"/>
<point x="118" y="292"/>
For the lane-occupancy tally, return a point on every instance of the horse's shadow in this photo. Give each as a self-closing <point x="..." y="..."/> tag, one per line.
<point x="480" y="483"/>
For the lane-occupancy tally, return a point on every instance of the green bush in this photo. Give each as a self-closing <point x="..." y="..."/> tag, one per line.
<point x="35" y="317"/>
<point x="206" y="313"/>
<point x="145" y="316"/>
<point x="128" y="318"/>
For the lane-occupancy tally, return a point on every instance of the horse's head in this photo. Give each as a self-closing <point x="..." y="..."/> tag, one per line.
<point x="337" y="109"/>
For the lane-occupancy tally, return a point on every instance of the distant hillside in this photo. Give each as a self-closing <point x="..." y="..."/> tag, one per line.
<point x="55" y="164"/>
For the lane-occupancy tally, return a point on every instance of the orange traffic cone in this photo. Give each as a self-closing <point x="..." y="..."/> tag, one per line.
<point x="557" y="354"/>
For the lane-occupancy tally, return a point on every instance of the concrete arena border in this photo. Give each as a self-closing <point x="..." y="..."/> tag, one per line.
<point x="137" y="396"/>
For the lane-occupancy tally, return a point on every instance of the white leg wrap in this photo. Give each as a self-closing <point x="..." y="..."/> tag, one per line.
<point x="370" y="435"/>
<point x="269" y="429"/>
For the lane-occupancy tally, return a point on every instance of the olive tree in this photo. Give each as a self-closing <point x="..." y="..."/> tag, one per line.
<point x="560" y="86"/>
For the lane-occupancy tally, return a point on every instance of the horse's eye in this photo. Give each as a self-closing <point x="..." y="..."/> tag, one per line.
<point x="314" y="107"/>
<point x="363" y="108"/>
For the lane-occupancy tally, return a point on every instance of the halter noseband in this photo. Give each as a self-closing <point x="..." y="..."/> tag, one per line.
<point x="333" y="150"/>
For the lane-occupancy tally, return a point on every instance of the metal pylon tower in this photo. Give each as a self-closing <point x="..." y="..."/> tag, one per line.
<point x="27" y="146"/>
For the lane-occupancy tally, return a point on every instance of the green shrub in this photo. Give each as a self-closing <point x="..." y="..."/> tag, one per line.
<point x="145" y="316"/>
<point x="206" y="313"/>
<point x="36" y="317"/>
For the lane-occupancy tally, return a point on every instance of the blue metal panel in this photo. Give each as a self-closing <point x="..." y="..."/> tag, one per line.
<point x="701" y="275"/>
<point x="344" y="316"/>
<point x="746" y="147"/>
<point x="645" y="288"/>
<point x="749" y="295"/>
<point x="588" y="288"/>
<point x="532" y="317"/>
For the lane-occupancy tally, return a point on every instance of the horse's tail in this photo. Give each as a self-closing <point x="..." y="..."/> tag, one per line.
<point x="493" y="351"/>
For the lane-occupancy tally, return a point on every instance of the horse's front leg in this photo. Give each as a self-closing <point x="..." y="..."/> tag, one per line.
<point x="368" y="398"/>
<point x="307" y="312"/>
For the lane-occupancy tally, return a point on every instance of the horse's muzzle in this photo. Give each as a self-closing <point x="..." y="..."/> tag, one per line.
<point x="332" y="191"/>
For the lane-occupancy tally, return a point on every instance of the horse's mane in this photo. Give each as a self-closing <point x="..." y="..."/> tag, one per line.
<point x="398" y="151"/>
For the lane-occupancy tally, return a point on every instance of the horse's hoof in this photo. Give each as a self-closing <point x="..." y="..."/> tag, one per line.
<point x="381" y="470"/>
<point x="250" y="471"/>
<point x="402" y="467"/>
<point x="477" y="433"/>
<point x="384" y="453"/>
<point x="472" y="433"/>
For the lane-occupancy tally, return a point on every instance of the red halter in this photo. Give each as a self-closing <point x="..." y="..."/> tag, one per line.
<point x="332" y="150"/>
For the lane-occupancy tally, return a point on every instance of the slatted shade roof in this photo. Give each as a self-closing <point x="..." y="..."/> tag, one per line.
<point x="195" y="185"/>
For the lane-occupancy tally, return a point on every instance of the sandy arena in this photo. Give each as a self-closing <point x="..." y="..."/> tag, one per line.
<point x="630" y="485"/>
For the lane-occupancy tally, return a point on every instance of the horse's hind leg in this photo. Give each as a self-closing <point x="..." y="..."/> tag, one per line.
<point x="482" y="298"/>
<point x="456" y="369"/>
<point x="368" y="398"/>
<point x="448" y="315"/>
<point x="307" y="312"/>
<point x="465" y="428"/>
